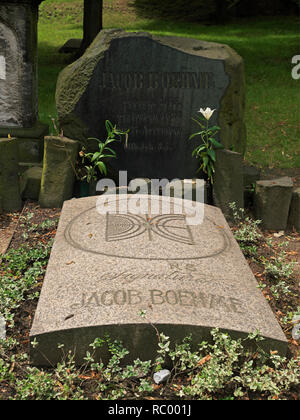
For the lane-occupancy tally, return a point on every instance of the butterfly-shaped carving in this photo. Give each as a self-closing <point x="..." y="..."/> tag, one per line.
<point x="127" y="226"/>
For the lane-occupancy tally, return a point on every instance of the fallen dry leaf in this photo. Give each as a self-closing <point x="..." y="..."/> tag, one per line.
<point x="204" y="360"/>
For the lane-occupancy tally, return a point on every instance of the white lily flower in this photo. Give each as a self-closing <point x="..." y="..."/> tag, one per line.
<point x="207" y="113"/>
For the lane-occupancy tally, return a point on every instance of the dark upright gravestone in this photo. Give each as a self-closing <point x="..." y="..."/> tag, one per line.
<point x="153" y="86"/>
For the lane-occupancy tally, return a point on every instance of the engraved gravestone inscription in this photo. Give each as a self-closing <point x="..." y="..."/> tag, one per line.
<point x="107" y="268"/>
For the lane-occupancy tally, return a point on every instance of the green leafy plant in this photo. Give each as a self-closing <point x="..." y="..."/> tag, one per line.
<point x="246" y="231"/>
<point x="96" y="163"/>
<point x="24" y="268"/>
<point x="205" y="151"/>
<point x="224" y="368"/>
<point x="278" y="268"/>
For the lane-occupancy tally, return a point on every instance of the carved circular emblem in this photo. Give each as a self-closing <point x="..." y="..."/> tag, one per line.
<point x="165" y="236"/>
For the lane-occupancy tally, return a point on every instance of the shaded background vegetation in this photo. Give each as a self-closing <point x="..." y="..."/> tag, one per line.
<point x="213" y="10"/>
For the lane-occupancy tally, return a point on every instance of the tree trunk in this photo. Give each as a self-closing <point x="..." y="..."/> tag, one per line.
<point x="92" y="21"/>
<point x="221" y="11"/>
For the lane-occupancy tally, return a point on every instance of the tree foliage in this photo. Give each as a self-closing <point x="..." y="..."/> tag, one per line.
<point x="216" y="10"/>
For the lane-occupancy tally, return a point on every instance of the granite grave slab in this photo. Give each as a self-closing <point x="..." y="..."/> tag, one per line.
<point x="107" y="269"/>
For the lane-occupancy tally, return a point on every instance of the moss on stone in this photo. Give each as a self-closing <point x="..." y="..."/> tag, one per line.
<point x="58" y="175"/>
<point x="30" y="183"/>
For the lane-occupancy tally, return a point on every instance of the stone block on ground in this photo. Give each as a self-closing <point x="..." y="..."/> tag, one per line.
<point x="60" y="154"/>
<point x="228" y="184"/>
<point x="177" y="262"/>
<point x="30" y="183"/>
<point x="272" y="201"/>
<point x="9" y="180"/>
<point x="294" y="214"/>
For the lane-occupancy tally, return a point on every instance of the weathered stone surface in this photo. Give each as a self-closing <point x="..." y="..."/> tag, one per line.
<point x="228" y="184"/>
<point x="106" y="268"/>
<point x="30" y="141"/>
<point x="30" y="150"/>
<point x="192" y="189"/>
<point x="155" y="99"/>
<point x="272" y="201"/>
<point x="9" y="182"/>
<point x="36" y="131"/>
<point x="294" y="214"/>
<point x="58" y="176"/>
<point x="18" y="49"/>
<point x="30" y="183"/>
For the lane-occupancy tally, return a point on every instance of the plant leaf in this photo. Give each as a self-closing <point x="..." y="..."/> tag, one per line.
<point x="102" y="168"/>
<point x="109" y="126"/>
<point x="196" y="134"/>
<point x="212" y="154"/>
<point x="111" y="150"/>
<point x="216" y="144"/>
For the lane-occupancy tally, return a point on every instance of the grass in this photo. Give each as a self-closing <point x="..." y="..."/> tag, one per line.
<point x="266" y="44"/>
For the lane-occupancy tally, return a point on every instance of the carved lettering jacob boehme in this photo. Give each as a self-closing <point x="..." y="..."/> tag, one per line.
<point x="157" y="80"/>
<point x="155" y="297"/>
